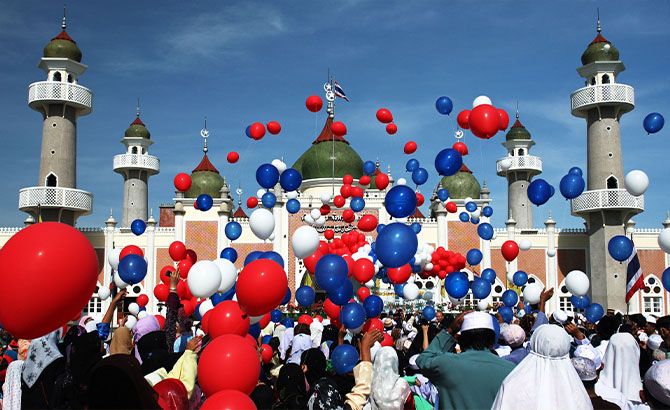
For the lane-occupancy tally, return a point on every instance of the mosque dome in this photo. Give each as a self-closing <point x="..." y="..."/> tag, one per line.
<point x="462" y="184"/>
<point x="317" y="161"/>
<point x="205" y="179"/>
<point x="600" y="49"/>
<point x="137" y="129"/>
<point x="62" y="46"/>
<point x="517" y="132"/>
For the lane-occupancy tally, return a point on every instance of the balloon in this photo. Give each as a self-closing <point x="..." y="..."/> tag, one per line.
<point x="577" y="283"/>
<point x="305" y="241"/>
<point x="229" y="253"/>
<point x="343" y="294"/>
<point x="228" y="362"/>
<point x="580" y="302"/>
<point x="293" y="206"/>
<point x="233" y="230"/>
<point x="262" y="223"/>
<point x="257" y="131"/>
<point x="229" y="400"/>
<point x="113" y="258"/>
<point x="485" y="231"/>
<point x="412" y="164"/>
<point x="314" y="103"/>
<point x="276" y="316"/>
<point x="410" y="291"/>
<point x="305" y="295"/>
<point x="416" y="227"/>
<point x="653" y="123"/>
<point x="442" y="194"/>
<point x="130" y="250"/>
<point x="132" y="269"/>
<point x="204" y="279"/>
<point x="420" y="176"/>
<point x="664" y="240"/>
<point x="227" y="317"/>
<point x="384" y="116"/>
<point x="520" y="278"/>
<point x="133" y="308"/>
<point x="575" y="171"/>
<point x="483" y="304"/>
<point x="448" y="162"/>
<point x="182" y="182"/>
<point x="594" y="312"/>
<point x="391" y="129"/>
<point x="287" y="322"/>
<point x="503" y="119"/>
<point x="482" y="99"/>
<point x="665" y="278"/>
<point x="267" y="176"/>
<point x="352" y="315"/>
<point x="357" y="204"/>
<point x="539" y="191"/>
<point x="428" y="313"/>
<point x="410" y="147"/>
<point x="506" y="313"/>
<point x="138" y="227"/>
<point x="509" y="250"/>
<point x="104" y="293"/>
<point x="381" y="181"/>
<point x="338" y="128"/>
<point x="232" y="157"/>
<point x="362" y="293"/>
<point x="457" y="285"/>
<point x="463" y="119"/>
<point x="400" y="274"/>
<point x="396" y="245"/>
<point x="204" y="202"/>
<point x="273" y="127"/>
<point x="532" y="292"/>
<point x="228" y="274"/>
<point x="572" y="186"/>
<point x="464" y="217"/>
<point x="620" y="247"/>
<point x="443" y="105"/>
<point x="373" y="306"/>
<point x="268" y="200"/>
<point x="481" y="288"/>
<point x="131" y="321"/>
<point x="184" y="267"/>
<point x="177" y="251"/>
<point x="474" y="220"/>
<point x="344" y="358"/>
<point x="331" y="272"/>
<point x="363" y="270"/>
<point x="636" y="182"/>
<point x="252" y="202"/>
<point x="484" y="121"/>
<point x="287" y="297"/>
<point x="474" y="256"/>
<point x="400" y="201"/>
<point x="367" y="223"/>
<point x="489" y="274"/>
<point x="290" y="179"/>
<point x="261" y="286"/>
<point x="142" y="300"/>
<point x="487" y="211"/>
<point x="510" y="298"/>
<point x="461" y="148"/>
<point x="470" y="206"/>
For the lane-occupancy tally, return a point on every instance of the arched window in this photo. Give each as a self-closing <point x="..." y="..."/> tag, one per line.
<point x="57" y="76"/>
<point x="522" y="152"/>
<point x="652" y="296"/>
<point x="612" y="182"/>
<point x="593" y="81"/>
<point x="606" y="79"/>
<point x="51" y="180"/>
<point x="133" y="150"/>
<point x="70" y="79"/>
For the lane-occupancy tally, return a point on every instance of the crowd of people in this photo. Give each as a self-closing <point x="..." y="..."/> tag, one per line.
<point x="472" y="360"/>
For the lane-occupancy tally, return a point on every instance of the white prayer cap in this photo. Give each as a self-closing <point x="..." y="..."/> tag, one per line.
<point x="642" y="337"/>
<point x="657" y="381"/>
<point x="560" y="316"/>
<point x="654" y="341"/>
<point x="589" y="352"/>
<point x="650" y="319"/>
<point x="477" y="320"/>
<point x="513" y="335"/>
<point x="585" y="368"/>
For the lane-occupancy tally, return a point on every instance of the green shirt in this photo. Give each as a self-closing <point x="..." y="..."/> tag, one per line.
<point x="468" y="380"/>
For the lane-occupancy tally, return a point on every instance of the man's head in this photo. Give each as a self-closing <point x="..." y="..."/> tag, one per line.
<point x="607" y="326"/>
<point x="513" y="335"/>
<point x="663" y="326"/>
<point x="477" y="332"/>
<point x="650" y="327"/>
<point x="638" y="321"/>
<point x="439" y="316"/>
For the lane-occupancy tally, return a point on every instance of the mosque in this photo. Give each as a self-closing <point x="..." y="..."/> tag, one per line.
<point x="606" y="207"/>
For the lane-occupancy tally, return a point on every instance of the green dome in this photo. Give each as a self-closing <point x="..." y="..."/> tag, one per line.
<point x="600" y="50"/>
<point x="62" y="46"/>
<point x="205" y="179"/>
<point x="517" y="132"/>
<point x="137" y="129"/>
<point x="462" y="184"/>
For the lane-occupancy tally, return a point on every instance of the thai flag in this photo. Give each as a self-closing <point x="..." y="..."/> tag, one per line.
<point x="634" y="278"/>
<point x="339" y="91"/>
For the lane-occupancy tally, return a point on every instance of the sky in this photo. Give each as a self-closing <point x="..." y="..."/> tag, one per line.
<point x="237" y="62"/>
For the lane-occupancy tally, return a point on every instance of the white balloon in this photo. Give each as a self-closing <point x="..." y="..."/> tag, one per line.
<point x="429" y="266"/>
<point x="577" y="283"/>
<point x="261" y="192"/>
<point x="113" y="258"/>
<point x="292" y="194"/>
<point x="228" y="274"/>
<point x="427" y="295"/>
<point x="134" y="308"/>
<point x="321" y="221"/>
<point x="262" y="223"/>
<point x="370" y="284"/>
<point x="410" y="291"/>
<point x="531" y="293"/>
<point x="401" y="181"/>
<point x="664" y="240"/>
<point x="205" y="307"/>
<point x="525" y="244"/>
<point x="130" y="322"/>
<point x="279" y="164"/>
<point x="456" y="302"/>
<point x="506" y="164"/>
<point x="204" y="279"/>
<point x="476" y="213"/>
<point x="315" y="212"/>
<point x="325" y="199"/>
<point x="142" y="314"/>
<point x="482" y="99"/>
<point x="309" y="219"/>
<point x="636" y="182"/>
<point x="510" y="276"/>
<point x="483" y="304"/>
<point x="466" y="200"/>
<point x="103" y="293"/>
<point x="119" y="282"/>
<point x="305" y="241"/>
<point x="551" y="253"/>
<point x="272" y="237"/>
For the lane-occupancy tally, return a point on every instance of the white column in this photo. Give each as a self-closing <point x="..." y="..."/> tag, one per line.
<point x="551" y="272"/>
<point x="110" y="227"/>
<point x="485" y="246"/>
<point x="221" y="240"/>
<point x="278" y="242"/>
<point x="150" y="279"/>
<point x="512" y="267"/>
<point x="179" y="221"/>
<point x="442" y="227"/>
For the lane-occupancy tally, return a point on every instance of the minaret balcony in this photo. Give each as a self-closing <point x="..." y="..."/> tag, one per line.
<point x="33" y="198"/>
<point x="142" y="162"/>
<point x="607" y="199"/>
<point x="527" y="163"/>
<point x="43" y="93"/>
<point x="589" y="97"/>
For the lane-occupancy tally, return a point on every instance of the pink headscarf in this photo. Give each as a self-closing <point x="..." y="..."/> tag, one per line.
<point x="143" y="326"/>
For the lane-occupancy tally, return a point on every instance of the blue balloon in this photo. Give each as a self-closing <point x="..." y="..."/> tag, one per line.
<point x="665" y="279"/>
<point x="594" y="312"/>
<point x="369" y="167"/>
<point x="416" y="227"/>
<point x="357" y="204"/>
<point x="474" y="220"/>
<point x="276" y="316"/>
<point x="305" y="296"/>
<point x="331" y="271"/>
<point x="653" y="122"/>
<point x="132" y="269"/>
<point x="344" y="358"/>
<point x="474" y="256"/>
<point x="485" y="231"/>
<point x="287" y="297"/>
<point x="496" y="327"/>
<point x="268" y="199"/>
<point x="520" y="278"/>
<point x="380" y="227"/>
<point x="420" y="176"/>
<point x="464" y="216"/>
<point x="572" y="186"/>
<point x="580" y="302"/>
<point x="290" y="179"/>
<point x="196" y="312"/>
<point x="216" y="298"/>
<point x="266" y="339"/>
<point x="428" y="313"/>
<point x="138" y="227"/>
<point x="352" y="315"/>
<point x="448" y="162"/>
<point x="620" y="247"/>
<point x="273" y="256"/>
<point x="229" y="253"/>
<point x="342" y="295"/>
<point x="229" y="294"/>
<point x="398" y="288"/>
<point x="457" y="284"/>
<point x="233" y="230"/>
<point x="396" y="245"/>
<point x="481" y="288"/>
<point x="267" y="176"/>
<point x="252" y="256"/>
<point x="506" y="313"/>
<point x="576" y="171"/>
<point x="411" y="165"/>
<point x="471" y="206"/>
<point x="487" y="211"/>
<point x="204" y="202"/>
<point x="255" y="330"/>
<point x="510" y="298"/>
<point x="443" y="105"/>
<point x="490" y="275"/>
<point x="442" y="194"/>
<point x="287" y="322"/>
<point x="539" y="191"/>
<point x="292" y="205"/>
<point x="248" y="131"/>
<point x="373" y="306"/>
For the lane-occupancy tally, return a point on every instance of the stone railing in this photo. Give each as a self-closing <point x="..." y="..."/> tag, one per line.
<point x="60" y="92"/>
<point x="607" y="199"/>
<point x="146" y="162"/>
<point x="55" y="197"/>
<point x="588" y="97"/>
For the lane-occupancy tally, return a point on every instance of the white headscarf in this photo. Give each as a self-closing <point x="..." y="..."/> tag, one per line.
<point x="621" y="375"/>
<point x="389" y="390"/>
<point x="545" y="379"/>
<point x="299" y="344"/>
<point x="316" y="330"/>
<point x="42" y="352"/>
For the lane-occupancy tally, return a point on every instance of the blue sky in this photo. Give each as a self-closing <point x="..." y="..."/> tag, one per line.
<point x="245" y="61"/>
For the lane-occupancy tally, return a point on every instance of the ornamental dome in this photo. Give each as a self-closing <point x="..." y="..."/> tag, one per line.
<point x="205" y="179"/>
<point x="517" y="132"/>
<point x="137" y="129"/>
<point x="600" y="49"/>
<point x="62" y="46"/>
<point x="462" y="184"/>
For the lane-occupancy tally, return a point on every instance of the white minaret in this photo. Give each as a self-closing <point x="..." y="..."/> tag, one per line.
<point x="60" y="100"/>
<point x="136" y="166"/>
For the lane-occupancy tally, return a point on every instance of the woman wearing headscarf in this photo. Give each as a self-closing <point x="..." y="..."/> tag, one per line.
<point x="291" y="387"/>
<point x="619" y="381"/>
<point x="389" y="390"/>
<point x="41" y="369"/>
<point x="301" y="342"/>
<point x="545" y="379"/>
<point x="122" y="341"/>
<point x="313" y="363"/>
<point x="116" y="382"/>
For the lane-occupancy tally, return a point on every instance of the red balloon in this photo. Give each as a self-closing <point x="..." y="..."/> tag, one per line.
<point x="338" y="128"/>
<point x="177" y="251"/>
<point x="228" y="318"/>
<point x="265" y="320"/>
<point x="228" y="400"/>
<point x="509" y="250"/>
<point x="266" y="353"/>
<point x="410" y="147"/>
<point x="357" y="191"/>
<point x="318" y="318"/>
<point x="184" y="267"/>
<point x="350" y="264"/>
<point x="252" y="202"/>
<point x="463" y="119"/>
<point x="451" y="207"/>
<point x="257" y="130"/>
<point x="503" y="119"/>
<point x="391" y="128"/>
<point x="305" y="319"/>
<point x="164" y="274"/>
<point x="205" y="321"/>
<point x="314" y="103"/>
<point x="261" y="286"/>
<point x="384" y="115"/>
<point x="172" y="394"/>
<point x="182" y="182"/>
<point x="130" y="249"/>
<point x="311" y="260"/>
<point x="381" y="181"/>
<point x="325" y="209"/>
<point x="339" y="201"/>
<point x="347" y="179"/>
<point x="484" y="121"/>
<point x="142" y="300"/>
<point x="329" y="234"/>
<point x="331" y="309"/>
<point x="388" y="340"/>
<point x="345" y="190"/>
<point x="161" y="320"/>
<point x="48" y="273"/>
<point x="367" y="223"/>
<point x="399" y="274"/>
<point x="364" y="180"/>
<point x="228" y="362"/>
<point x="273" y="127"/>
<point x="373" y="324"/>
<point x="233" y="157"/>
<point x="183" y="291"/>
<point x="191" y="255"/>
<point x="420" y="199"/>
<point x="161" y="291"/>
<point x="348" y="215"/>
<point x="189" y="306"/>
<point x="362" y="293"/>
<point x="461" y="148"/>
<point x="364" y="270"/>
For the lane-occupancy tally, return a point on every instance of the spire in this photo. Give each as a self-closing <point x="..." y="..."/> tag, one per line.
<point x="63" y="24"/>
<point x="517" y="110"/>
<point x="137" y="111"/>
<point x="598" y="27"/>
<point x="204" y="133"/>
